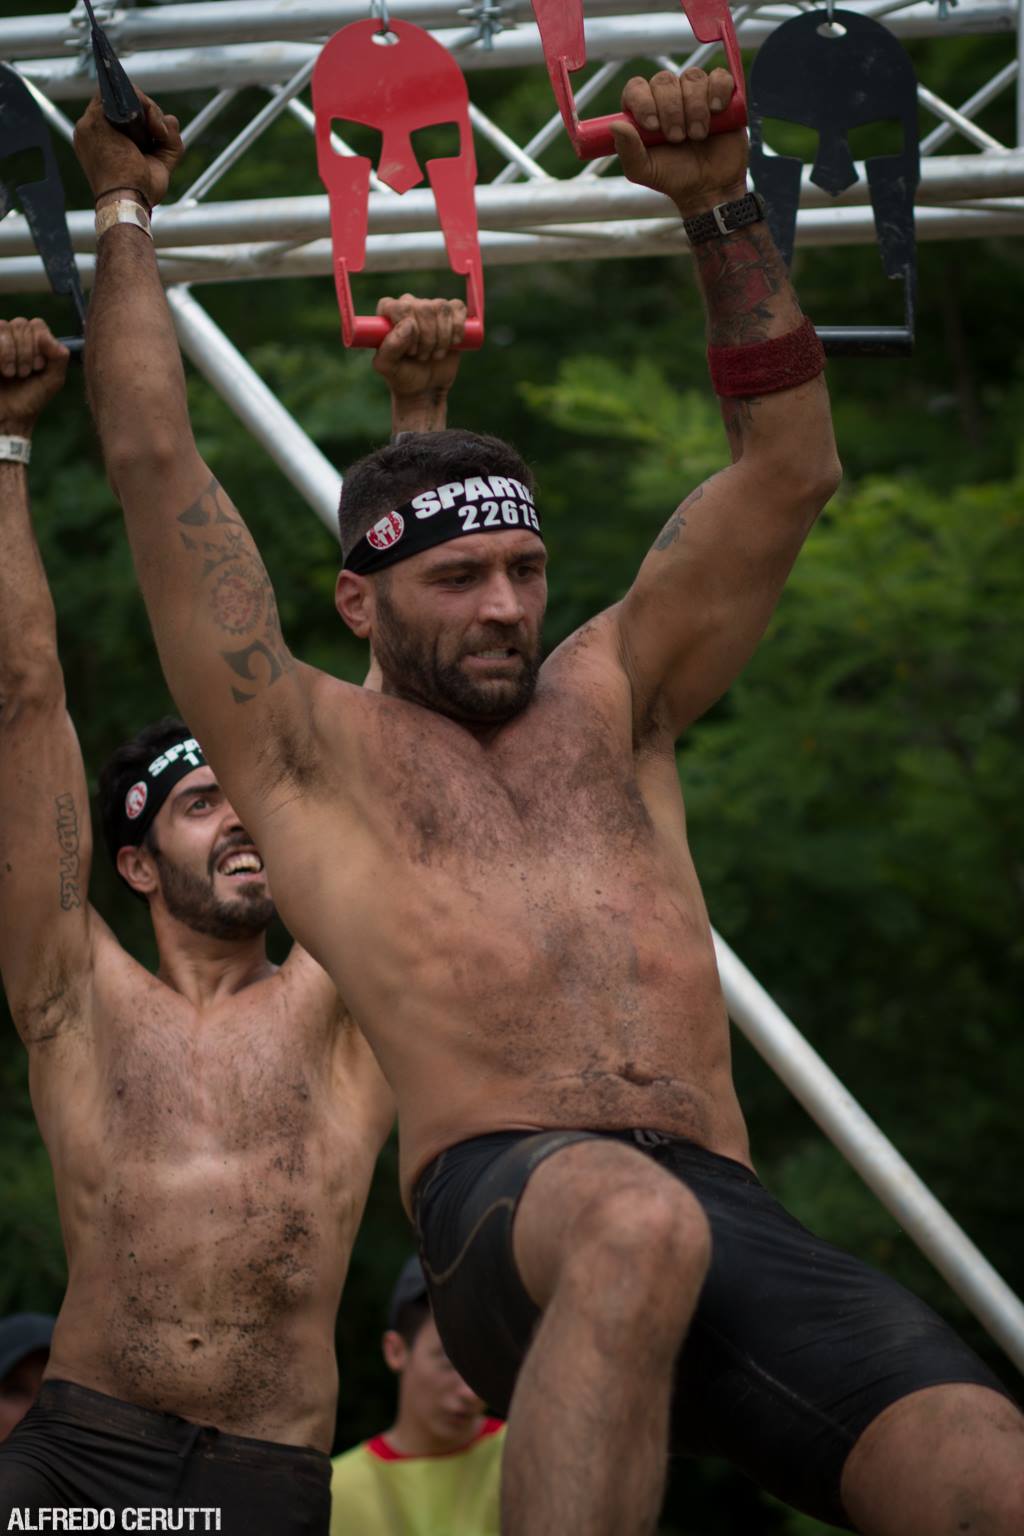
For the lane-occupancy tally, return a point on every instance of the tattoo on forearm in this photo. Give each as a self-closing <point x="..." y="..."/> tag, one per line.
<point x="741" y="276"/>
<point x="677" y="522"/>
<point x="738" y="415"/>
<point x="241" y="598"/>
<point x="70" y="862"/>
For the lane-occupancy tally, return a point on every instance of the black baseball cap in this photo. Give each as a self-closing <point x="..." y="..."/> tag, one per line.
<point x="22" y="1334"/>
<point x="411" y="1285"/>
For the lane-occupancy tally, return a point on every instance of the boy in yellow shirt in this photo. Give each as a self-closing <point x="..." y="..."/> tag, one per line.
<point x="436" y="1471"/>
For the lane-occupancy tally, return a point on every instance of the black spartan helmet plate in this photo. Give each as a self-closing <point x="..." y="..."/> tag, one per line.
<point x="833" y="81"/>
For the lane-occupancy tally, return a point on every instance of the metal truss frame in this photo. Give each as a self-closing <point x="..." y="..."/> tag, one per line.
<point x="526" y="214"/>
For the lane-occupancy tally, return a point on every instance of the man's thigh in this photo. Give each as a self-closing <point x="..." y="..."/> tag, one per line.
<point x="796" y="1347"/>
<point x="489" y="1205"/>
<point x="946" y="1458"/>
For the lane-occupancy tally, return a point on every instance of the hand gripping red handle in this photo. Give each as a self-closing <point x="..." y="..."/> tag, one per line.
<point x="370" y="331"/>
<point x="413" y="82"/>
<point x="560" y="23"/>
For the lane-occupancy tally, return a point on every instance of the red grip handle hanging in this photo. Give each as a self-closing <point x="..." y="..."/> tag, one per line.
<point x="398" y="87"/>
<point x="370" y="331"/>
<point x="560" y="23"/>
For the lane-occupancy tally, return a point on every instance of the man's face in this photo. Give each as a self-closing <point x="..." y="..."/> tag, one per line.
<point x="457" y="628"/>
<point x="18" y="1389"/>
<point x="211" y="877"/>
<point x="433" y="1395"/>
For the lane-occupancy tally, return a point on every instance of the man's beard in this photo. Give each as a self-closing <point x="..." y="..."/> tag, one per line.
<point x="191" y="899"/>
<point x="413" y="666"/>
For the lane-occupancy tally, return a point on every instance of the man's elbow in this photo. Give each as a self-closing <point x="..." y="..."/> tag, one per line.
<point x="29" y="689"/>
<point x="134" y="457"/>
<point x="821" y="481"/>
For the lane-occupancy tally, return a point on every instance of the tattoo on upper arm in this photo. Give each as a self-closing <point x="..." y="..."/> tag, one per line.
<point x="677" y="522"/>
<point x="70" y="862"/>
<point x="241" y="597"/>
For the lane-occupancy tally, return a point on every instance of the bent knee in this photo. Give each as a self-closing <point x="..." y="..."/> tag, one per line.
<point x="651" y="1237"/>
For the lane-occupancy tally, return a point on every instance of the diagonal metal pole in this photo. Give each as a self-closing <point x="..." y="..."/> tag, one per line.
<point x="263" y="119"/>
<point x="205" y="116"/>
<point x="957" y="121"/>
<point x="256" y="406"/>
<point x="553" y="127"/>
<point x="54" y="116"/>
<point x="868" y="1150"/>
<point x="981" y="98"/>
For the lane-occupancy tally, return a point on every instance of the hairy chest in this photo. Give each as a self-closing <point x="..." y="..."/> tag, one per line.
<point x="559" y="781"/>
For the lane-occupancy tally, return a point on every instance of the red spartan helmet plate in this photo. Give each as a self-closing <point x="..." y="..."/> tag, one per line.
<point x="396" y="88"/>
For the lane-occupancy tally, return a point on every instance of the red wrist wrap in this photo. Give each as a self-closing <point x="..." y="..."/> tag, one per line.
<point x="763" y="367"/>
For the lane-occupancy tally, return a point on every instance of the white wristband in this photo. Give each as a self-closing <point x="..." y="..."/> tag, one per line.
<point x="15" y="450"/>
<point x="124" y="211"/>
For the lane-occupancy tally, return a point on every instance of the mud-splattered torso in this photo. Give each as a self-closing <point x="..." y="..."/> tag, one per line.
<point x="525" y="941"/>
<point x="211" y="1171"/>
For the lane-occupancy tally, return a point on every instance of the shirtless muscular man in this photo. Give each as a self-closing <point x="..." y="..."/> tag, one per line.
<point x="212" y="1128"/>
<point x="490" y="859"/>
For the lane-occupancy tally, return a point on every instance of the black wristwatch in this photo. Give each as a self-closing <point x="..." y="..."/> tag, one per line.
<point x="724" y="218"/>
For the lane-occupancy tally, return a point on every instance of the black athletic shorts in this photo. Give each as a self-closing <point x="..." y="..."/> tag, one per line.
<point x="794" y="1348"/>
<point x="78" y="1449"/>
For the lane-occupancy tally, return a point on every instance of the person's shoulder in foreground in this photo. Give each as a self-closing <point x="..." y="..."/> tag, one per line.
<point x="437" y="1470"/>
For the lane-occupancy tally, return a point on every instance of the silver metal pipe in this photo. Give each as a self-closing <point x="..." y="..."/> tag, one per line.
<point x="220" y="22"/>
<point x="523" y="205"/>
<point x="872" y="1154"/>
<point x="54" y="116"/>
<point x="234" y="151"/>
<point x="957" y="120"/>
<point x="225" y="21"/>
<point x="256" y="406"/>
<point x="588" y="242"/>
<point x="206" y="115"/>
<point x="981" y="98"/>
<point x="1020" y="74"/>
<point x="616" y="37"/>
<point x="553" y="127"/>
<point x="508" y="147"/>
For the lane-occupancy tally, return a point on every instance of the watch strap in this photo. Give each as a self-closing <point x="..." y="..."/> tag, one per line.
<point x="15" y="450"/>
<point x="724" y="218"/>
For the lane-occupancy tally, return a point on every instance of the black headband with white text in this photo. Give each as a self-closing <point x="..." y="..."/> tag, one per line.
<point x="145" y="797"/>
<point x="478" y="504"/>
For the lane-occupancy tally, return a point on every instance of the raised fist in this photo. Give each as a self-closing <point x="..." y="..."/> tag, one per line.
<point x="695" y="168"/>
<point x="111" y="161"/>
<point x="32" y="368"/>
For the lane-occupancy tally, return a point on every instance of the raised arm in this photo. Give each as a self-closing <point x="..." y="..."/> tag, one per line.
<point x="208" y="595"/>
<point x="705" y="592"/>
<point x="45" y="838"/>
<point x="418" y="359"/>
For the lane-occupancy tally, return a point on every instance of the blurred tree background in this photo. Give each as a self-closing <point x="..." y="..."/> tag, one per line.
<point x="854" y="803"/>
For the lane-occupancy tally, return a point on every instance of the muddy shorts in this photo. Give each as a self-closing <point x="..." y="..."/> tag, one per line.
<point x="78" y="1449"/>
<point x="794" y="1348"/>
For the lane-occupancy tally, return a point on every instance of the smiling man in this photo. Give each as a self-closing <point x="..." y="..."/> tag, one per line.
<point x="212" y="1128"/>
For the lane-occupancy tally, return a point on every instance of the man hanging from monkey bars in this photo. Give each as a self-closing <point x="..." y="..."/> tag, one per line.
<point x="490" y="859"/>
<point x="212" y="1128"/>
